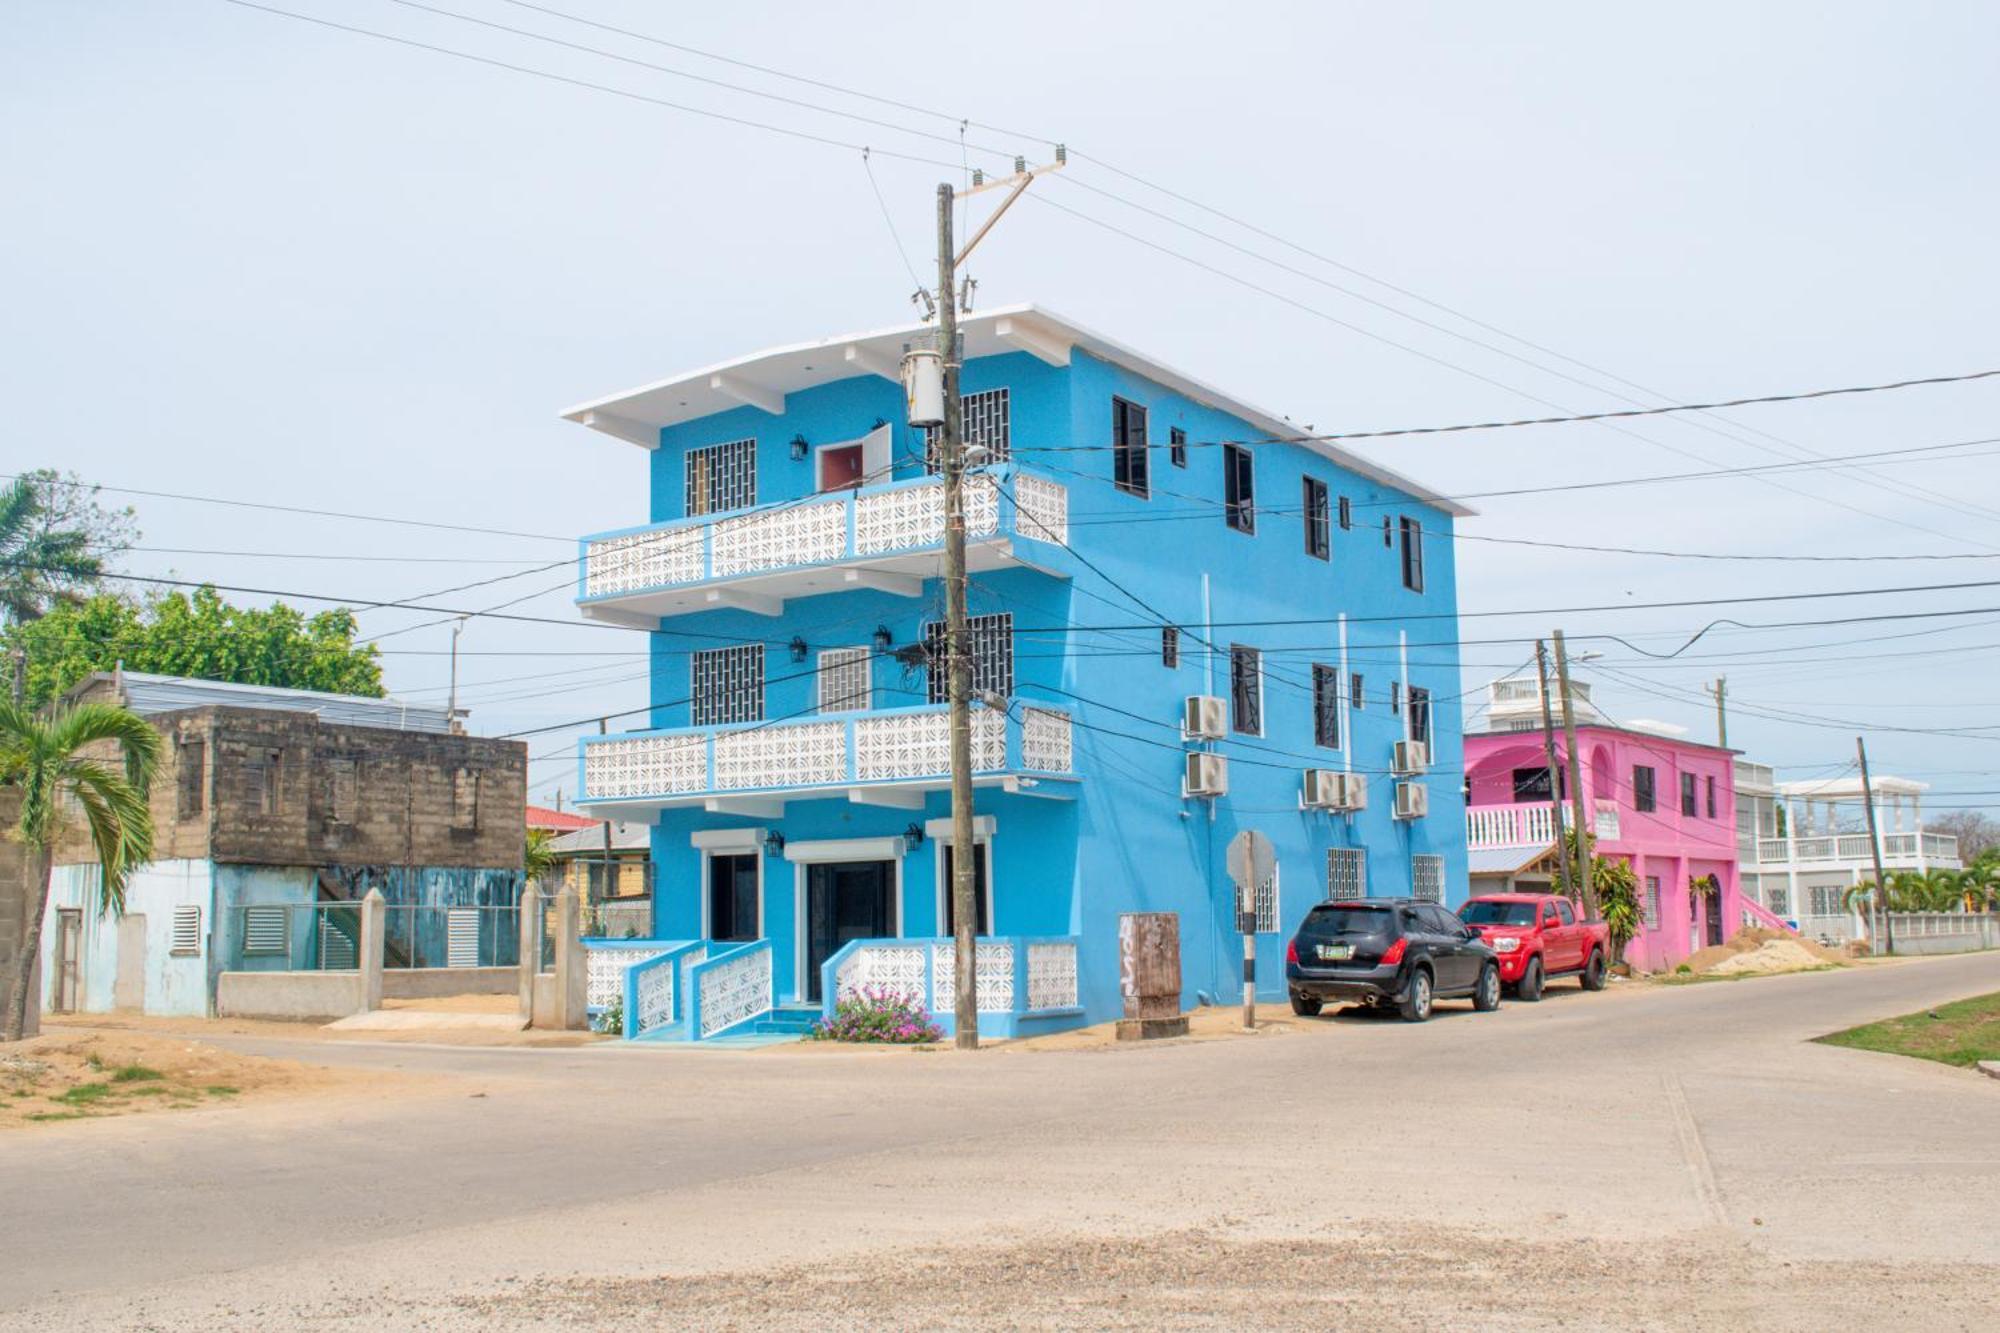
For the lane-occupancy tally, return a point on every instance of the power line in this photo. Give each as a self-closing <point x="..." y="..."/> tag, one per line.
<point x="1721" y="555"/>
<point x="743" y="121"/>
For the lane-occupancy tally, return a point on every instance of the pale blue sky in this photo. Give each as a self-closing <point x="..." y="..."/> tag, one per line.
<point x="245" y="256"/>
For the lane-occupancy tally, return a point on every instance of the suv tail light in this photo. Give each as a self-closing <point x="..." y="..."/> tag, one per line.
<point x="1292" y="951"/>
<point x="1394" y="953"/>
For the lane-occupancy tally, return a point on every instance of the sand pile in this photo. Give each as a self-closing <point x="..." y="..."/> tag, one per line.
<point x="1756" y="950"/>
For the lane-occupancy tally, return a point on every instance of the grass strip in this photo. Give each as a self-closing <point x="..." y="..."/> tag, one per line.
<point x="1961" y="1033"/>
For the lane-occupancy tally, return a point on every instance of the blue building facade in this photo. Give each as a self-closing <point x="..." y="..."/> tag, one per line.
<point x="1139" y="543"/>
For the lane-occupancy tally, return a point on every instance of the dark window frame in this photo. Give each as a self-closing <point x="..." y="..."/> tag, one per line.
<point x="1346" y="514"/>
<point x="1690" y="798"/>
<point x="1711" y="796"/>
<point x="1419" y="705"/>
<point x="1645" y="788"/>
<point x="719" y="864"/>
<point x="1130" y="470"/>
<point x="1246" y="690"/>
<point x="1177" y="447"/>
<point x="1319" y="535"/>
<point x="1170" y="647"/>
<point x="1412" y="537"/>
<point x="1239" y="489"/>
<point x="1326" y="705"/>
<point x="1357" y="692"/>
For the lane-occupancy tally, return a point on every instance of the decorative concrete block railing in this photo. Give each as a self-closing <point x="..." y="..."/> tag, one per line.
<point x="1022" y="983"/>
<point x="646" y="976"/>
<point x="885" y="746"/>
<point x="1757" y="915"/>
<point x="874" y="521"/>
<point x="730" y="989"/>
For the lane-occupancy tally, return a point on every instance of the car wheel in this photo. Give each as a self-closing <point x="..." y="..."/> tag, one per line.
<point x="1416" y="1002"/>
<point x="1593" y="971"/>
<point x="1529" y="989"/>
<point x="1486" y="998"/>
<point x="1306" y="1006"/>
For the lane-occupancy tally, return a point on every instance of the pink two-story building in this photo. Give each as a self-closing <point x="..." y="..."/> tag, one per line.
<point x="1663" y="803"/>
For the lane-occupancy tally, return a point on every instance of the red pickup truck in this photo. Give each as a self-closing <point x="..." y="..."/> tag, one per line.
<point x="1537" y="936"/>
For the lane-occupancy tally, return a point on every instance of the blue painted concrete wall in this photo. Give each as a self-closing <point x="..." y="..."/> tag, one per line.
<point x="1128" y="842"/>
<point x="174" y="985"/>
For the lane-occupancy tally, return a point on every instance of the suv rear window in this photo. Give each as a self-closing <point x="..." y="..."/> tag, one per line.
<point x="1346" y="920"/>
<point x="1498" y="914"/>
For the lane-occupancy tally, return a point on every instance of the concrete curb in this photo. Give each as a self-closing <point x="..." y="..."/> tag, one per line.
<point x="1990" y="1068"/>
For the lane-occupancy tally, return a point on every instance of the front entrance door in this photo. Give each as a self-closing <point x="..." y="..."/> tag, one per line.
<point x="845" y="900"/>
<point x="69" y="959"/>
<point x="1711" y="900"/>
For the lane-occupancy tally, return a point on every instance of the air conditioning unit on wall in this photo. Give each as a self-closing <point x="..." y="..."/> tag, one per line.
<point x="1207" y="775"/>
<point x="1325" y="789"/>
<point x="1413" y="800"/>
<point x="1203" y="718"/>
<point x="1411" y="757"/>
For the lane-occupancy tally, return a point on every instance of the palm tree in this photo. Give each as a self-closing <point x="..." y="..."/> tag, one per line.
<point x="46" y="759"/>
<point x="539" y="860"/>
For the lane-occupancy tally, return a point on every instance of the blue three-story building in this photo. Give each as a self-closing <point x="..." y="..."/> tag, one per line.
<point x="1187" y="621"/>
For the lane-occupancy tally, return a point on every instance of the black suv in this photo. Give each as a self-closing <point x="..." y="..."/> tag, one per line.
<point x="1384" y="951"/>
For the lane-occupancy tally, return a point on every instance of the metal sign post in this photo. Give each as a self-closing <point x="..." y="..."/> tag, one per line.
<point x="1251" y="861"/>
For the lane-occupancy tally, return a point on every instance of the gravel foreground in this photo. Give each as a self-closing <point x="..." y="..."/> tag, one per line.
<point x="1417" y="1278"/>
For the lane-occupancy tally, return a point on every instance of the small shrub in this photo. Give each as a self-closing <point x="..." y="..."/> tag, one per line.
<point x="83" y="1094"/>
<point x="136" y="1074"/>
<point x="879" y="1015"/>
<point x="1683" y="971"/>
<point x="221" y="1090"/>
<point x="610" y="1019"/>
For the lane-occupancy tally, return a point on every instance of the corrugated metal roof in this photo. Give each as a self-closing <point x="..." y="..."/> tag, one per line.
<point x="625" y="836"/>
<point x="1504" y="860"/>
<point x="146" y="694"/>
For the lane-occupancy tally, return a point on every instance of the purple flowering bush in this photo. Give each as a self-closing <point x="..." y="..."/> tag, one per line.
<point x="878" y="1014"/>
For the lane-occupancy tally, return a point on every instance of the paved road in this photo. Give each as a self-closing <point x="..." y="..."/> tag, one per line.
<point x="1645" y="1118"/>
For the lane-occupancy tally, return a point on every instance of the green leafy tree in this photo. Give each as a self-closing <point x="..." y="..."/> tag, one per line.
<point x="1617" y="887"/>
<point x="54" y="538"/>
<point x="51" y="761"/>
<point x="196" y="635"/>
<point x="539" y="860"/>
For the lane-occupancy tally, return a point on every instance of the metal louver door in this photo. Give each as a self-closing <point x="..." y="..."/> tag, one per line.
<point x="337" y="952"/>
<point x="461" y="937"/>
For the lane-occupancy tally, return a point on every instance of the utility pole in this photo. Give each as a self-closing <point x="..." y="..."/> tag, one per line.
<point x="1549" y="750"/>
<point x="451" y="706"/>
<point x="1721" y="692"/>
<point x="958" y="663"/>
<point x="20" y="656"/>
<point x="1575" y="783"/>
<point x="1875" y="849"/>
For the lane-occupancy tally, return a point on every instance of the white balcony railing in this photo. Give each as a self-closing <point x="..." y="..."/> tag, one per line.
<point x="1530" y="824"/>
<point x="874" y="524"/>
<point x="903" y="745"/>
<point x="1900" y="849"/>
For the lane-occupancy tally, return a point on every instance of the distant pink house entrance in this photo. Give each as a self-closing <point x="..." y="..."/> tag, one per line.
<point x="1664" y="804"/>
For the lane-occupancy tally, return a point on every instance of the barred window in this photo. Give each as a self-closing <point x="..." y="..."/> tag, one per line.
<point x="1427" y="877"/>
<point x="1170" y="647"/>
<point x="1177" y="447"/>
<point x="1778" y="899"/>
<point x="1326" y="706"/>
<point x="843" y="680"/>
<point x="991" y="643"/>
<point x="1346" y="873"/>
<point x="1413" y="555"/>
<point x="1239" y="488"/>
<point x="1826" y="899"/>
<point x="1652" y="900"/>
<point x="1264" y="902"/>
<point x="728" y="685"/>
<point x="985" y="418"/>
<point x="1420" y="715"/>
<point x="1246" y="690"/>
<point x="722" y="476"/>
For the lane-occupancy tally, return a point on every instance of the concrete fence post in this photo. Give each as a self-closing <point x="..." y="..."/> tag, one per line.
<point x="374" y="937"/>
<point x="531" y="948"/>
<point x="571" y="978"/>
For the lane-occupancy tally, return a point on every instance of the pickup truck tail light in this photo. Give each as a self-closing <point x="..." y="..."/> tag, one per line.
<point x="1394" y="953"/>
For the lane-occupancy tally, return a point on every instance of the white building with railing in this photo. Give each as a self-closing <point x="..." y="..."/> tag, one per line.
<point x="1803" y="845"/>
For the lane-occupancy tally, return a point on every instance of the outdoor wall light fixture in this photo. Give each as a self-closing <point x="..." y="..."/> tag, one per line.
<point x="883" y="638"/>
<point x="799" y="448"/>
<point x="774" y="843"/>
<point x="798" y="647"/>
<point x="913" y="836"/>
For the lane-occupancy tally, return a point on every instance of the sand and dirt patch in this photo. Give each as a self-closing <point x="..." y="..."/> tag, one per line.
<point x="1756" y="951"/>
<point x="72" y="1075"/>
